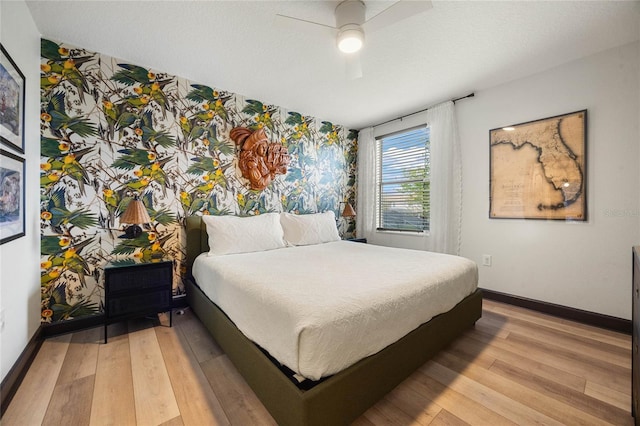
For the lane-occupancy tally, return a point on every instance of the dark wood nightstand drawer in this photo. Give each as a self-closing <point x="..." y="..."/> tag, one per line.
<point x="140" y="304"/>
<point x="139" y="276"/>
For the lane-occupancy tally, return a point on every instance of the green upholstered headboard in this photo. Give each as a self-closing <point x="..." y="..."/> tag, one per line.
<point x="197" y="240"/>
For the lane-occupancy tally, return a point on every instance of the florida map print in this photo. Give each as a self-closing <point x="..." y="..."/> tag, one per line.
<point x="538" y="169"/>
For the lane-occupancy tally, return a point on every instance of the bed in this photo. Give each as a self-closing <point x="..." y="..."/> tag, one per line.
<point x="331" y="395"/>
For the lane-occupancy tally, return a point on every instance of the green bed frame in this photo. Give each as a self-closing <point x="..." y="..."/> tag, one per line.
<point x="343" y="397"/>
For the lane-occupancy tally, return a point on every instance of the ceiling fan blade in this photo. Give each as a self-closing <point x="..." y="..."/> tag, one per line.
<point x="354" y="66"/>
<point x="397" y="12"/>
<point x="302" y="25"/>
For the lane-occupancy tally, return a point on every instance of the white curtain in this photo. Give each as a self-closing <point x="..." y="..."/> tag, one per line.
<point x="366" y="203"/>
<point x="446" y="180"/>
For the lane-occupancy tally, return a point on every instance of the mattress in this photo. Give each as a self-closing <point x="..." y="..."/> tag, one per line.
<point x="318" y="309"/>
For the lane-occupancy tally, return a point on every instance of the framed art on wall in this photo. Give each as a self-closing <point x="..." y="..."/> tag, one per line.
<point x="12" y="97"/>
<point x="12" y="223"/>
<point x="538" y="169"/>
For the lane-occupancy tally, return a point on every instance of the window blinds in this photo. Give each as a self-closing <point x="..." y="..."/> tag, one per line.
<point x="403" y="181"/>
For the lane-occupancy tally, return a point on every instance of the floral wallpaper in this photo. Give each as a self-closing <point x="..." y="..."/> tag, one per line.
<point x="111" y="130"/>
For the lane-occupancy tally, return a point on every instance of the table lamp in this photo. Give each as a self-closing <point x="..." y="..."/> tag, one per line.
<point x="135" y="214"/>
<point x="348" y="210"/>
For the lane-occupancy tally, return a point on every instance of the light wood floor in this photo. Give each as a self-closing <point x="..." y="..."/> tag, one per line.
<point x="515" y="367"/>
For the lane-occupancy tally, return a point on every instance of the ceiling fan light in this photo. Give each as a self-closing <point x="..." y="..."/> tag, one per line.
<point x="350" y="40"/>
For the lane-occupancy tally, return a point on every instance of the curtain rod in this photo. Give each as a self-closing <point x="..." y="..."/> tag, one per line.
<point x="470" y="95"/>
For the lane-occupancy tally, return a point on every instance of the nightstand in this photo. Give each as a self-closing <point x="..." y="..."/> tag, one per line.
<point x="133" y="289"/>
<point x="357" y="240"/>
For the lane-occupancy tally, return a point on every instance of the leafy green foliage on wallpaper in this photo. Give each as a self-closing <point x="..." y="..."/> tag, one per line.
<point x="113" y="130"/>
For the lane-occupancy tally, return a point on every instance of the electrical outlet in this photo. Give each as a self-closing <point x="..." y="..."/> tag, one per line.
<point x="486" y="260"/>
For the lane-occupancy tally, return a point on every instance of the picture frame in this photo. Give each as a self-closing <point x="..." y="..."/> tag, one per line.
<point x="12" y="193"/>
<point x="12" y="98"/>
<point x="538" y="169"/>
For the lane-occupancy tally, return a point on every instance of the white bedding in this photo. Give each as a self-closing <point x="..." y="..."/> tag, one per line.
<point x="320" y="308"/>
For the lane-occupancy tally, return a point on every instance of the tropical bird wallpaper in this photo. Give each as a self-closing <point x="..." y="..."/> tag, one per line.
<point x="111" y="130"/>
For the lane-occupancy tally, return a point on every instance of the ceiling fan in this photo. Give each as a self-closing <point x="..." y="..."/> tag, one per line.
<point x="351" y="26"/>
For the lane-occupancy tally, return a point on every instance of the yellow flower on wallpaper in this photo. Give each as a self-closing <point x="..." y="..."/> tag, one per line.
<point x="54" y="175"/>
<point x="69" y="253"/>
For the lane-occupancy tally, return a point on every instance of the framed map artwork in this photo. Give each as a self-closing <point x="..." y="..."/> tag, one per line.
<point x="538" y="169"/>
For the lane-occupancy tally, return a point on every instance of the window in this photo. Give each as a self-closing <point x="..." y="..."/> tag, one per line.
<point x="403" y="162"/>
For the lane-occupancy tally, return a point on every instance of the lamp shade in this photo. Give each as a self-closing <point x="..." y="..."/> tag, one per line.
<point x="348" y="211"/>
<point x="135" y="213"/>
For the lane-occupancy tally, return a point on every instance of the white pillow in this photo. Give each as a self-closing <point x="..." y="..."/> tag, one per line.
<point x="233" y="234"/>
<point x="306" y="229"/>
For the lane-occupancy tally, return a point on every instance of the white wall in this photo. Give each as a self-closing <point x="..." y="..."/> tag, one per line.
<point x="20" y="259"/>
<point x="582" y="265"/>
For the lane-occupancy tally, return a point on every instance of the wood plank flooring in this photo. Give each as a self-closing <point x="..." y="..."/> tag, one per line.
<point x="515" y="367"/>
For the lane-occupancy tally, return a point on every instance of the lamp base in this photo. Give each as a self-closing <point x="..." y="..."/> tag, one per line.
<point x="133" y="231"/>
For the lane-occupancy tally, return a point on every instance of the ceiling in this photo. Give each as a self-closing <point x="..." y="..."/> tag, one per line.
<point x="452" y="49"/>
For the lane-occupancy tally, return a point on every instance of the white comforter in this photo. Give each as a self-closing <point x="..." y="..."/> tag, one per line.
<point x="319" y="309"/>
